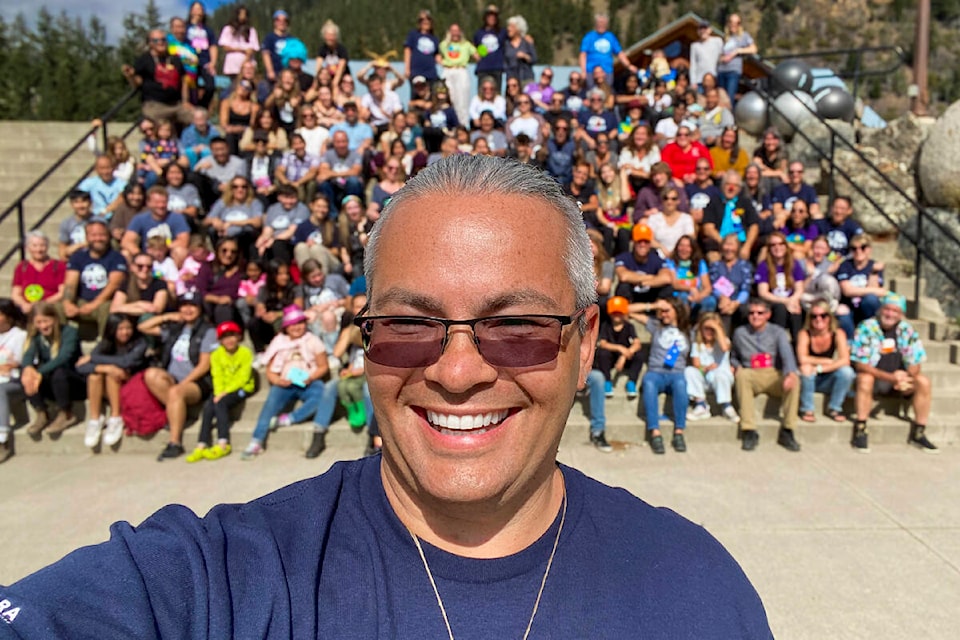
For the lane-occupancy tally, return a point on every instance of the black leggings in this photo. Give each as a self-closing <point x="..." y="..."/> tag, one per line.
<point x="219" y="411"/>
<point x="64" y="385"/>
<point x="792" y="322"/>
<point x="605" y="359"/>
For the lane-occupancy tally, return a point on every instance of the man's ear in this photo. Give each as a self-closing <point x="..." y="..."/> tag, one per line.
<point x="588" y="344"/>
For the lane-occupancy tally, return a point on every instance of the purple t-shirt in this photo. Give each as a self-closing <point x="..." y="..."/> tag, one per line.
<point x="778" y="285"/>
<point x="799" y="236"/>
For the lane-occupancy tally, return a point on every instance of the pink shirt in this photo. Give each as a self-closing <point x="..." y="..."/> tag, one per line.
<point x="282" y="349"/>
<point x="250" y="288"/>
<point x="235" y="59"/>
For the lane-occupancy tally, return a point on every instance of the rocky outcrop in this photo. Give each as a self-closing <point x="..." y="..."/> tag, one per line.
<point x="939" y="167"/>
<point x="944" y="249"/>
<point x="894" y="151"/>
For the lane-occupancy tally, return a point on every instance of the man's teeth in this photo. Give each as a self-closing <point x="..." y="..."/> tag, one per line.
<point x="465" y="423"/>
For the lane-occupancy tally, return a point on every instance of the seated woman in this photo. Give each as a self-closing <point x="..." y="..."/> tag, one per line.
<point x="392" y="177"/>
<point x="121" y="352"/>
<point x="48" y="370"/>
<point x="823" y="355"/>
<point x="182" y="378"/>
<point x="772" y="158"/>
<point x="276" y="135"/>
<point x="144" y="295"/>
<point x="133" y="198"/>
<point x="755" y="189"/>
<point x="710" y="368"/>
<point x="157" y="154"/>
<point x="296" y="364"/>
<point x="800" y="230"/>
<point x="238" y="214"/>
<point x="821" y="281"/>
<point x="39" y="277"/>
<point x="708" y="82"/>
<point x="728" y="154"/>
<point x="237" y="112"/>
<point x="780" y="281"/>
<point x="353" y="227"/>
<point x="666" y="362"/>
<point x="12" y="340"/>
<point x="182" y="197"/>
<point x="277" y="294"/>
<point x="731" y="279"/>
<point x="691" y="278"/>
<point x="861" y="284"/>
<point x="669" y="224"/>
<point x="637" y="158"/>
<point x="324" y="299"/>
<point x="218" y="282"/>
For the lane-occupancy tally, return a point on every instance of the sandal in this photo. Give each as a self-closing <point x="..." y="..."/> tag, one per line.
<point x="808" y="416"/>
<point x="836" y="416"/>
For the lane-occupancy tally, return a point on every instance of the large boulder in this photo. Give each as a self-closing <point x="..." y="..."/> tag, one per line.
<point x="939" y="169"/>
<point x="894" y="151"/>
<point x="944" y="249"/>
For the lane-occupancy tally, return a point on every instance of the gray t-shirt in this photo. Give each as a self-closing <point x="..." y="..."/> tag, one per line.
<point x="663" y="339"/>
<point x="772" y="340"/>
<point x="280" y="219"/>
<point x="180" y="365"/>
<point x="223" y="173"/>
<point x="73" y="231"/>
<point x="335" y="287"/>
<point x="186" y="195"/>
<point x="338" y="164"/>
<point x="236" y="213"/>
<point x="730" y="45"/>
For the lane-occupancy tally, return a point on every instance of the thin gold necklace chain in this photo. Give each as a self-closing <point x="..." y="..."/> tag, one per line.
<point x="543" y="583"/>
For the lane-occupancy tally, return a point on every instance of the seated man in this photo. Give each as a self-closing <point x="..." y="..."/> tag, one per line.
<point x="157" y="220"/>
<point x="887" y="353"/>
<point x="340" y="170"/>
<point x="732" y="213"/>
<point x="162" y="81"/>
<point x="93" y="275"/>
<point x="359" y="134"/>
<point x="218" y="169"/>
<point x="73" y="234"/>
<point x="839" y="228"/>
<point x="196" y="139"/>
<point x="298" y="169"/>
<point x="106" y="191"/>
<point x="702" y="190"/>
<point x="642" y="274"/>
<point x="183" y="379"/>
<point x="763" y="362"/>
<point x="715" y="118"/>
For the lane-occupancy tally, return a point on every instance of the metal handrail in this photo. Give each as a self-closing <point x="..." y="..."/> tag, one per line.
<point x="17" y="204"/>
<point x="922" y="213"/>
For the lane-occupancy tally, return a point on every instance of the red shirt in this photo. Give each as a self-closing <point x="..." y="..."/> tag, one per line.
<point x="682" y="162"/>
<point x="50" y="278"/>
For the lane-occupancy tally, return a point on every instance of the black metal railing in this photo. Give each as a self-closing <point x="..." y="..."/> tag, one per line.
<point x="855" y="70"/>
<point x="18" y="204"/>
<point x="923" y="216"/>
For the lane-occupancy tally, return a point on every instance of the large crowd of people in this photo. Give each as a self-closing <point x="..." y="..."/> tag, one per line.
<point x="256" y="225"/>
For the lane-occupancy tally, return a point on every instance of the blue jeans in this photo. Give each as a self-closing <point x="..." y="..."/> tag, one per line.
<point x="336" y="192"/>
<point x="672" y="383"/>
<point x="869" y="305"/>
<point x="836" y="383"/>
<point x="318" y="401"/>
<point x="598" y="417"/>
<point x="730" y="81"/>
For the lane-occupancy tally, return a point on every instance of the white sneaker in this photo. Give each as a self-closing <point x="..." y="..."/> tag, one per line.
<point x="731" y="414"/>
<point x="699" y="412"/>
<point x="92" y="437"/>
<point x="114" y="431"/>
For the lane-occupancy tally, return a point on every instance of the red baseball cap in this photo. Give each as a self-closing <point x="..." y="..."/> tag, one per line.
<point x="227" y="327"/>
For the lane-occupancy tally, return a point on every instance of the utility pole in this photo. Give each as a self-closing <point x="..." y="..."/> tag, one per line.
<point x="921" y="99"/>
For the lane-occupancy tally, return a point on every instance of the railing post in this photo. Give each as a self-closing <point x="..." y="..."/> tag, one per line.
<point x="21" y="231"/>
<point x="917" y="263"/>
<point x="831" y="187"/>
<point x="104" y="148"/>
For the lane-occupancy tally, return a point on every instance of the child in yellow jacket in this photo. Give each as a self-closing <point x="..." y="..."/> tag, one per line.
<point x="231" y="367"/>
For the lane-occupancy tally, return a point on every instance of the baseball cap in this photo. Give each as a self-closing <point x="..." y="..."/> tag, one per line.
<point x="228" y="327"/>
<point x="896" y="300"/>
<point x="491" y="8"/>
<point x="618" y="304"/>
<point x="419" y="80"/>
<point x="190" y="296"/>
<point x="293" y="315"/>
<point x="642" y="232"/>
<point x="280" y="13"/>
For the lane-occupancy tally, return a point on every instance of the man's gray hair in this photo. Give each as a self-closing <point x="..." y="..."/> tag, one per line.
<point x="596" y="92"/>
<point x="482" y="176"/>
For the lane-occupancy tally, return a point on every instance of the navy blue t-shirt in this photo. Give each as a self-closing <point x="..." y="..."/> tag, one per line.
<point x="839" y="236"/>
<point x="274" y="45"/>
<point x="328" y="558"/>
<point x="493" y="40"/>
<point x="596" y="123"/>
<point x="785" y="196"/>
<point x="95" y="272"/>
<point x="700" y="197"/>
<point x="857" y="277"/>
<point x="423" y="54"/>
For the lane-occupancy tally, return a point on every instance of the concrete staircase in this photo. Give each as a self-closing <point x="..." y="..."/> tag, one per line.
<point x="27" y="149"/>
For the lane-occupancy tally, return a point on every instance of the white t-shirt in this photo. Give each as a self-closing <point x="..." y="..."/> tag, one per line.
<point x="11" y="351"/>
<point x="668" y="235"/>
<point x="314" y="138"/>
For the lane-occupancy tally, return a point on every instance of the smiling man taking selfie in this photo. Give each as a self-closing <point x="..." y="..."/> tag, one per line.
<point x="480" y="328"/>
